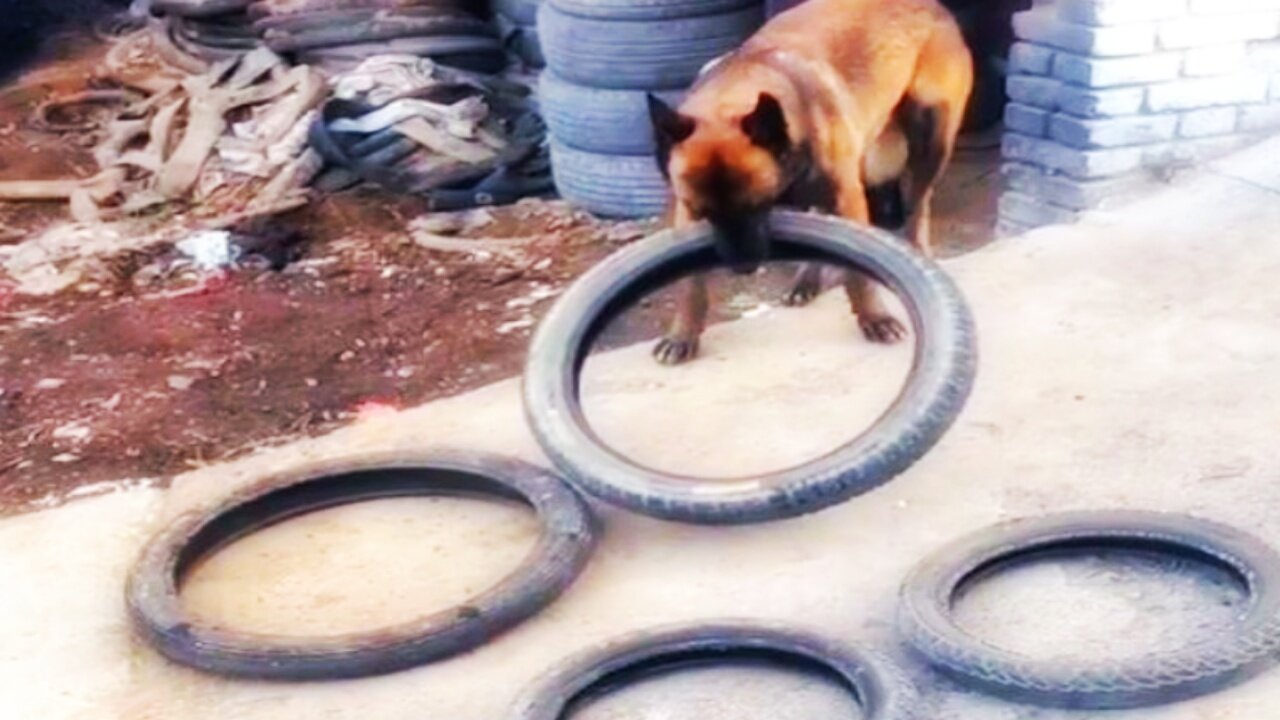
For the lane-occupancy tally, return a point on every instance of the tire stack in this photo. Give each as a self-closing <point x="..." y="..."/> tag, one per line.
<point x="602" y="57"/>
<point x="518" y="22"/>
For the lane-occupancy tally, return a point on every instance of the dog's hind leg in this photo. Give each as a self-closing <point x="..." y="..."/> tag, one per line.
<point x="931" y="115"/>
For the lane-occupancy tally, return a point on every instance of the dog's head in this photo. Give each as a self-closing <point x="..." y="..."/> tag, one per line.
<point x="730" y="172"/>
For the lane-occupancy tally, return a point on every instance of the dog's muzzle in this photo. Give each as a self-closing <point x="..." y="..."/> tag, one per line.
<point x="743" y="245"/>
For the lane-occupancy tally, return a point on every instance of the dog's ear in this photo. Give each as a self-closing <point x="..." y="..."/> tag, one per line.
<point x="766" y="126"/>
<point x="670" y="127"/>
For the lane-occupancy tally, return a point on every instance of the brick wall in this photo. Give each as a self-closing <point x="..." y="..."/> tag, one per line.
<point x="1107" y="95"/>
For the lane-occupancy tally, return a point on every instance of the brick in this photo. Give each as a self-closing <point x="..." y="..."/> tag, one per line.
<point x="1070" y="193"/>
<point x="1052" y="94"/>
<point x="1112" y="132"/>
<point x="1111" y="72"/>
<point x="1265" y="56"/>
<point x="1226" y="7"/>
<point x="1081" y="164"/>
<point x="1087" y="103"/>
<point x="1215" y="60"/>
<point x="1026" y="119"/>
<point x="1259" y="117"/>
<point x="1118" y="12"/>
<point x="1033" y="212"/>
<point x="1199" y="31"/>
<point x="1040" y="92"/>
<point x="1206" y="92"/>
<point x="1190" y="153"/>
<point x="1204" y="123"/>
<point x="1030" y="59"/>
<point x="1042" y="25"/>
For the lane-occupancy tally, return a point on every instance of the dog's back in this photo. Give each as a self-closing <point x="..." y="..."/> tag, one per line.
<point x="855" y="59"/>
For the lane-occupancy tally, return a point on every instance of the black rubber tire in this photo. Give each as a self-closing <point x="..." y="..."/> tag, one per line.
<point x="567" y="539"/>
<point x="649" y="9"/>
<point x="936" y="388"/>
<point x="879" y="687"/>
<point x="616" y="186"/>
<point x="925" y="619"/>
<point x="609" y="122"/>
<point x="475" y="54"/>
<point x="642" y="54"/>
<point x="199" y="8"/>
<point x="390" y="28"/>
<point x="303" y="22"/>
<point x="522" y="12"/>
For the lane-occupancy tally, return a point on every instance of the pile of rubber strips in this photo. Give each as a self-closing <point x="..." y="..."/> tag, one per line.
<point x="420" y="106"/>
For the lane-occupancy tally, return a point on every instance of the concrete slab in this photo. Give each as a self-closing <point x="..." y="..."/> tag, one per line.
<point x="1128" y="361"/>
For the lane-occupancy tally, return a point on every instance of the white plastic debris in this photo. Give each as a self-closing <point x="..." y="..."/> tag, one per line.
<point x="73" y="431"/>
<point x="382" y="78"/>
<point x="209" y="249"/>
<point x="180" y="382"/>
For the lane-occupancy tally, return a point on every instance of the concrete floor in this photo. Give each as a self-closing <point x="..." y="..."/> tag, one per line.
<point x="1129" y="361"/>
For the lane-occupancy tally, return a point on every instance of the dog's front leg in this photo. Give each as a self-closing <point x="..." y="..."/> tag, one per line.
<point x="877" y="324"/>
<point x="680" y="344"/>
<point x="681" y="341"/>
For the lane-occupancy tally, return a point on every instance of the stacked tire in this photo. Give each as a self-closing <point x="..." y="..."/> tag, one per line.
<point x="603" y="57"/>
<point x="518" y="22"/>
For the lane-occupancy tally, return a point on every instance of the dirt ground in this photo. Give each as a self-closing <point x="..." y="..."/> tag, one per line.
<point x="153" y="366"/>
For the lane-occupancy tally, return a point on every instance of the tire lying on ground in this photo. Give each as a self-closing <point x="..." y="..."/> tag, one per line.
<point x="641" y="54"/>
<point x="609" y="122"/>
<point x="878" y="686"/>
<point x="647" y="9"/>
<point x="936" y="387"/>
<point x="624" y="186"/>
<point x="567" y="538"/>
<point x="926" y="621"/>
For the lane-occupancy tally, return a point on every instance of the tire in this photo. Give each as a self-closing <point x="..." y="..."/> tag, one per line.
<point x="649" y="9"/>
<point x="522" y="41"/>
<point x="522" y="12"/>
<point x="475" y="54"/>
<point x="926" y="622"/>
<point x="611" y="122"/>
<point x="568" y="536"/>
<point x="199" y="8"/>
<point x="391" y="28"/>
<point x="642" y="54"/>
<point x="528" y="47"/>
<point x="879" y="687"/>
<point x="936" y="389"/>
<point x="621" y="186"/>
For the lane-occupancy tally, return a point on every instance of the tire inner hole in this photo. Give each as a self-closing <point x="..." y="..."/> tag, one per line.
<point x="268" y="567"/>
<point x="792" y="383"/>
<point x="745" y="684"/>
<point x="1093" y="599"/>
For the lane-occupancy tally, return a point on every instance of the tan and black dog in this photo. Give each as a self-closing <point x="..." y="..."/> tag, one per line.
<point x="834" y="105"/>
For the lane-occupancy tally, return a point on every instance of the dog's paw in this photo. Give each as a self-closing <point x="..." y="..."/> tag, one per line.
<point x="674" y="351"/>
<point x="800" y="294"/>
<point x="882" y="328"/>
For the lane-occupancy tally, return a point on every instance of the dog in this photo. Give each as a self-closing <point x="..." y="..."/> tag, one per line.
<point x="849" y="107"/>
